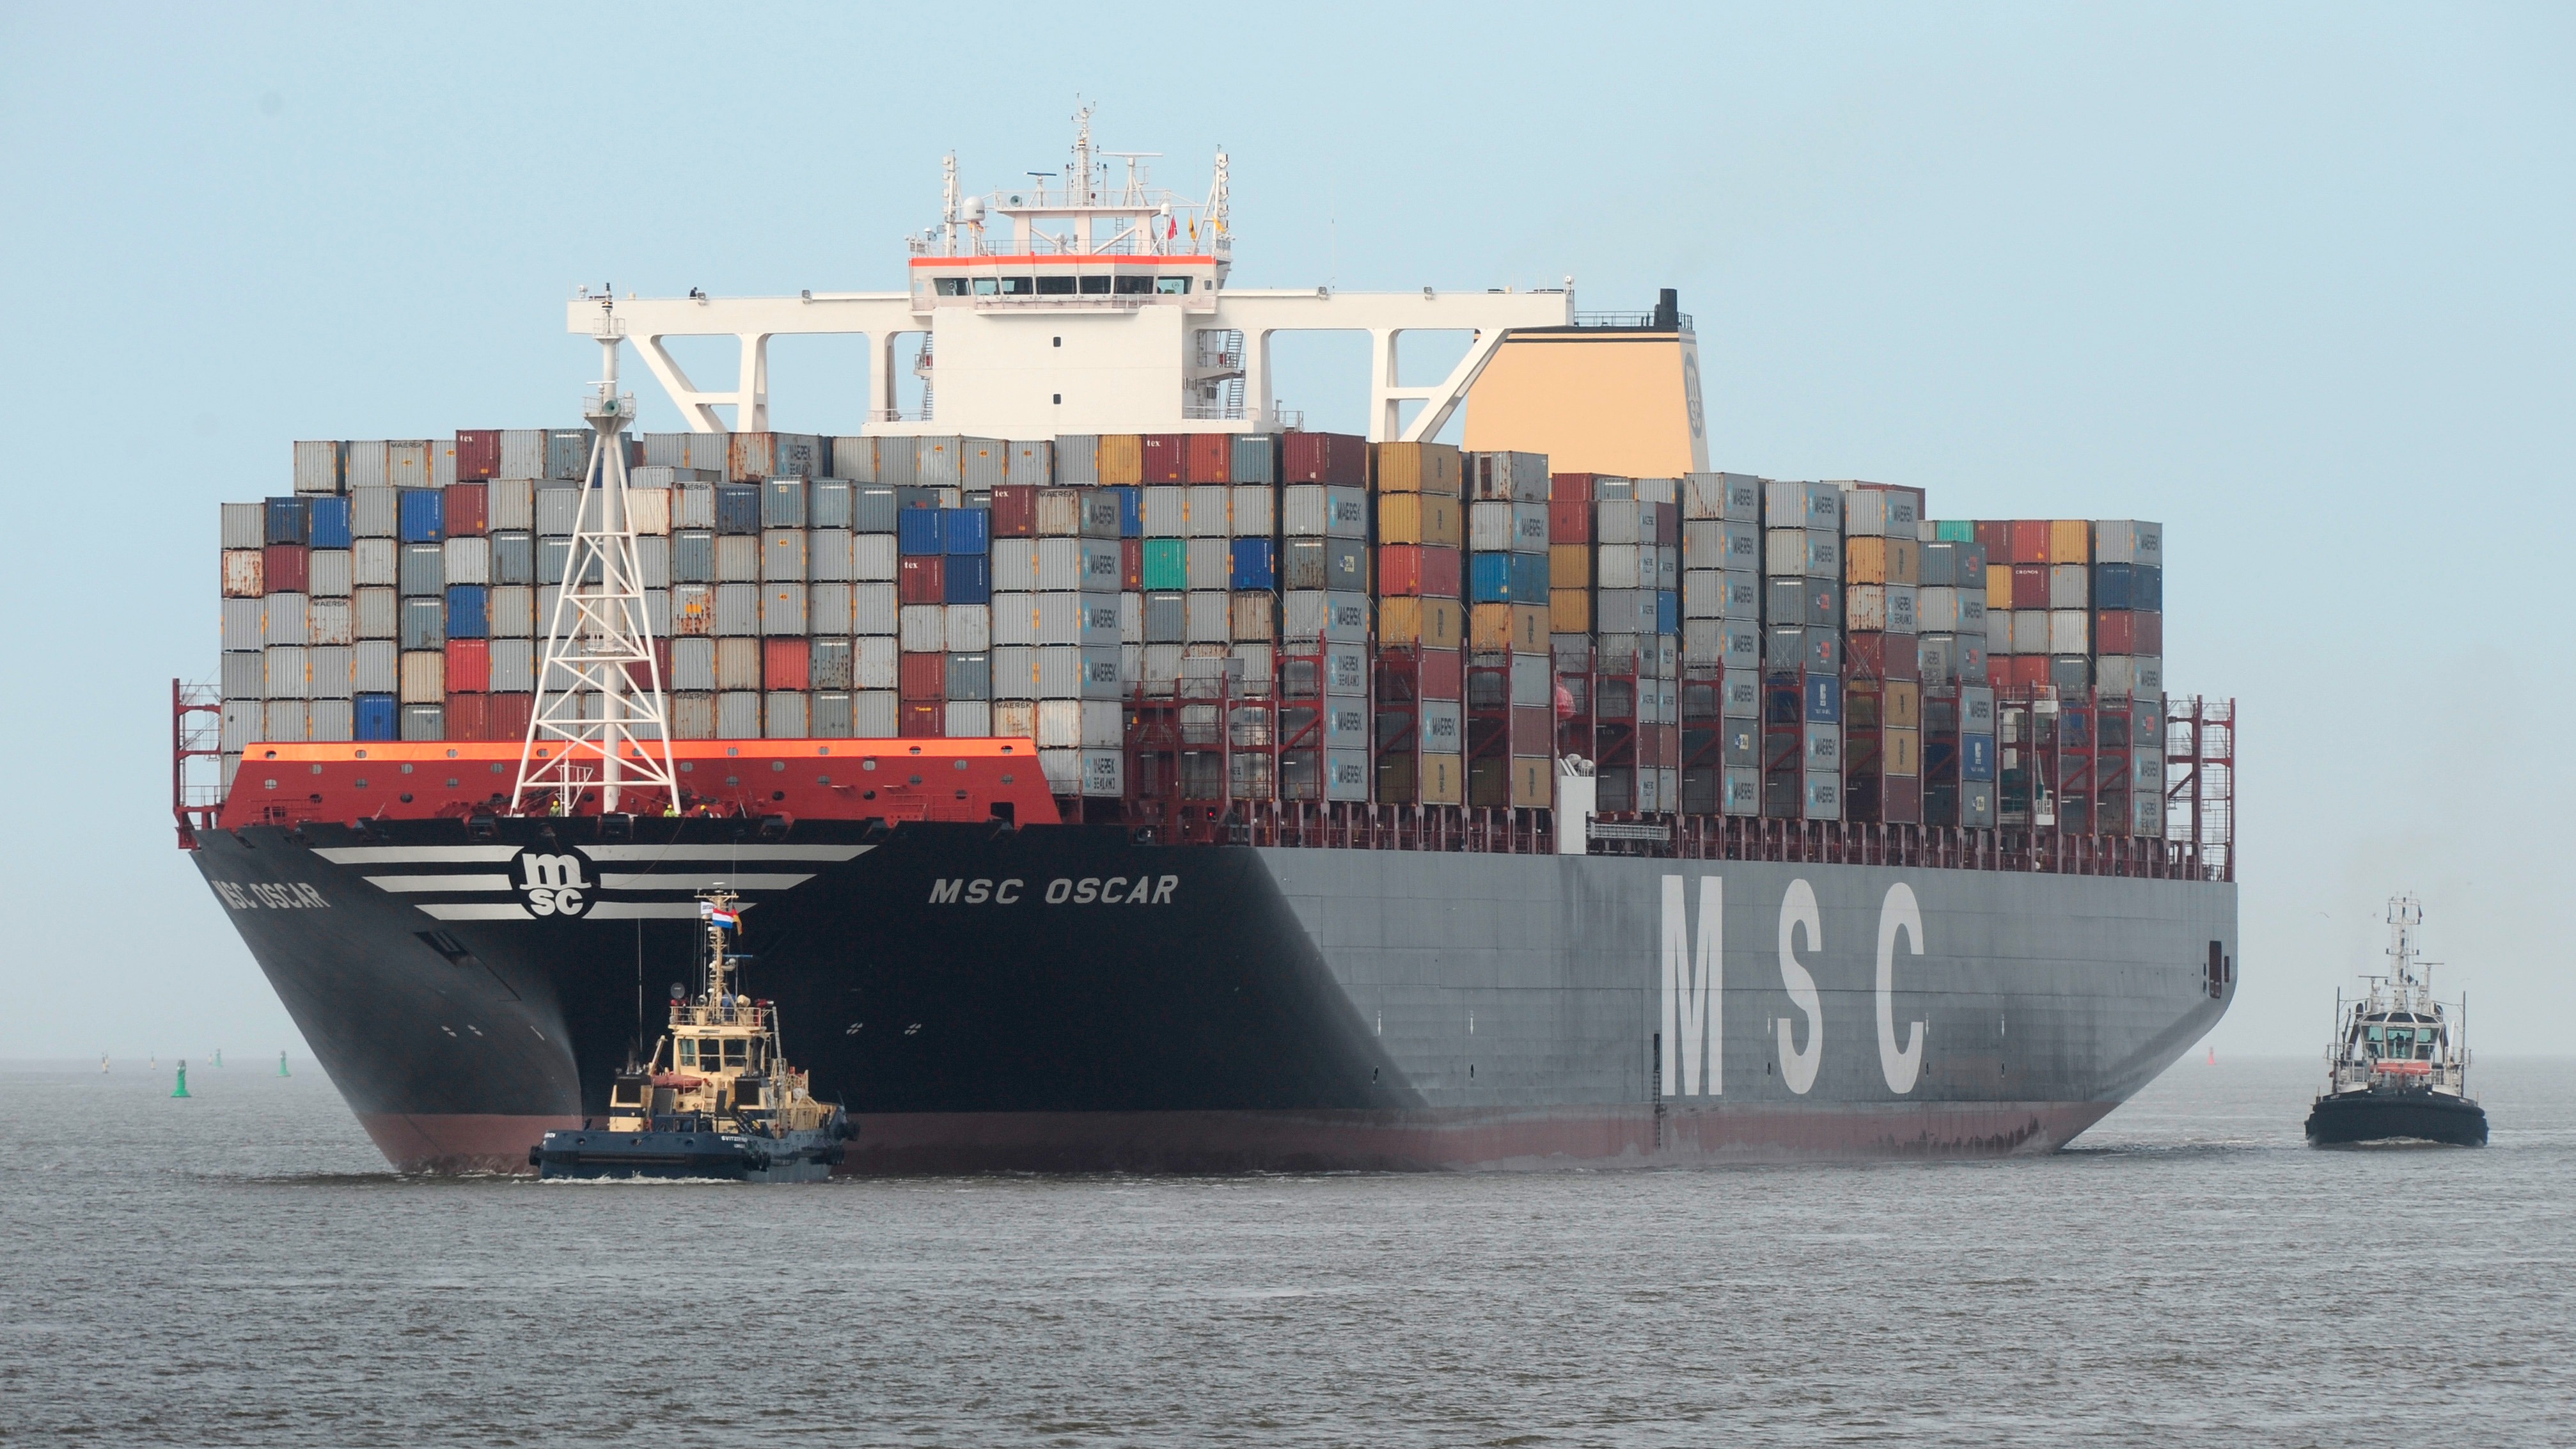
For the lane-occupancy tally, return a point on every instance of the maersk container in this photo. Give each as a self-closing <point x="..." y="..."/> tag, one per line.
<point x="2127" y="541"/>
<point x="327" y="522"/>
<point x="329" y="621"/>
<point x="1817" y="506"/>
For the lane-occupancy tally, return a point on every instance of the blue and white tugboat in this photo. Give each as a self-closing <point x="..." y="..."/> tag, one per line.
<point x="2399" y="1068"/>
<point x="717" y="1099"/>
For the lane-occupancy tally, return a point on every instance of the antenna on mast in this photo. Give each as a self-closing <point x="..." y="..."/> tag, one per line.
<point x="593" y="709"/>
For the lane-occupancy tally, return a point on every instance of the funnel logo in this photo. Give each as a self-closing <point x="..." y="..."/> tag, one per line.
<point x="553" y="884"/>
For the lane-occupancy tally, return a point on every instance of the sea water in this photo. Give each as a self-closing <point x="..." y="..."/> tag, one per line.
<point x="240" y="1268"/>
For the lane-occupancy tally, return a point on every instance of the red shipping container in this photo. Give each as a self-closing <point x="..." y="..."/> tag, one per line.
<point x="1900" y="799"/>
<point x="2030" y="586"/>
<point x="1569" y="520"/>
<point x="662" y="656"/>
<point x="1131" y="563"/>
<point x="1571" y="488"/>
<point x="1015" y="511"/>
<point x="785" y="664"/>
<point x="464" y="509"/>
<point x="1417" y="570"/>
<point x="1211" y="457"/>
<point x="1440" y="674"/>
<point x="1167" y="457"/>
<point x="1995" y="537"/>
<point x="507" y="715"/>
<point x="468" y="716"/>
<point x="2114" y="632"/>
<point x="2149" y="627"/>
<point x="1323" y="458"/>
<point x="478" y="453"/>
<point x="921" y="579"/>
<point x="286" y="567"/>
<point x="914" y="721"/>
<point x="923" y="676"/>
<point x="469" y="666"/>
<point x="1999" y="671"/>
<point x="2029" y="671"/>
<point x="1880" y="656"/>
<point x="1668" y="524"/>
<point x="2029" y="542"/>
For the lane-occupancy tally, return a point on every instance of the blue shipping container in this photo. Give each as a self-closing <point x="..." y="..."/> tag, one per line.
<point x="2147" y="586"/>
<point x="2113" y="585"/>
<point x="1131" y="511"/>
<point x="917" y="531"/>
<point x="469" y="614"/>
<point x="964" y="531"/>
<point x="1529" y="578"/>
<point x="913" y="495"/>
<point x="782" y="503"/>
<point x="967" y="578"/>
<point x="1255" y="565"/>
<point x="328" y="523"/>
<point x="423" y="515"/>
<point x="1490" y="577"/>
<point x="1824" y="699"/>
<point x="1976" y="757"/>
<point x="1668" y="610"/>
<point x="737" y="508"/>
<point x="376" y="718"/>
<point x="287" y="522"/>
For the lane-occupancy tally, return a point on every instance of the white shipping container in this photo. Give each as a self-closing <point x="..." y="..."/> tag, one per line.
<point x="2070" y="586"/>
<point x="1131" y="617"/>
<point x="693" y="505"/>
<point x="872" y="714"/>
<point x="649" y="510"/>
<point x="1254" y="511"/>
<point x="317" y="467"/>
<point x="2069" y="631"/>
<point x="1057" y="619"/>
<point x="969" y="628"/>
<point x="1015" y="564"/>
<point x="514" y="665"/>
<point x="828" y="556"/>
<point x="737" y="558"/>
<point x="1208" y="617"/>
<point x="1313" y="510"/>
<point x="782" y="555"/>
<point x="1209" y="514"/>
<point x="1936" y="610"/>
<point x="1702" y="641"/>
<point x="1338" y="617"/>
<point x="1614" y="566"/>
<point x="652" y="562"/>
<point x="244" y="525"/>
<point x="1060" y="672"/>
<point x="329" y="573"/>
<point x="1166" y="511"/>
<point x="510" y="505"/>
<point x="467" y="560"/>
<point x="1063" y="770"/>
<point x="787" y="714"/>
<point x="738" y="715"/>
<point x="374" y="512"/>
<point x="328" y="672"/>
<point x="827" y="609"/>
<point x="363" y="464"/>
<point x="1059" y="514"/>
<point x="2128" y="541"/>
<point x="1015" y="719"/>
<point x="924" y="628"/>
<point x="373" y="563"/>
<point x="1015" y="618"/>
<point x="375" y="667"/>
<point x="1015" y="672"/>
<point x="287" y="619"/>
<point x="330" y="721"/>
<point x="969" y="719"/>
<point x="245" y="573"/>
<point x="1060" y="563"/>
<point x="873" y="559"/>
<point x="873" y="609"/>
<point x="1620" y="520"/>
<point x="1255" y="617"/>
<point x="1207" y="563"/>
<point x="327" y="621"/>
<point x="285" y="722"/>
<point x="737" y="663"/>
<point x="875" y="664"/>
<point x="737" y="610"/>
<point x="657" y="613"/>
<point x="2000" y="634"/>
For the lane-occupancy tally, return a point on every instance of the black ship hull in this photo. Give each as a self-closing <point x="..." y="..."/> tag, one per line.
<point x="2373" y="1116"/>
<point x="1065" y="999"/>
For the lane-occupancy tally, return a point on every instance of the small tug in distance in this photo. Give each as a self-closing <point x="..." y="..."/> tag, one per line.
<point x="2400" y="1068"/>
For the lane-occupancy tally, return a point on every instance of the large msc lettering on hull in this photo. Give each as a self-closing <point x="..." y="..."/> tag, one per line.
<point x="1691" y="1025"/>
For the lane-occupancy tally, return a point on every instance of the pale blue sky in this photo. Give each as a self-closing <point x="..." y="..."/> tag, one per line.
<point x="2293" y="279"/>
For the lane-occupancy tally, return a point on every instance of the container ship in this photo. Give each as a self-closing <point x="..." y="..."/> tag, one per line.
<point x="1118" y="775"/>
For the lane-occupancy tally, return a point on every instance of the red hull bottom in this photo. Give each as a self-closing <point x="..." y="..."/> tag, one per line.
<point x="458" y="1142"/>
<point x="1466" y="1139"/>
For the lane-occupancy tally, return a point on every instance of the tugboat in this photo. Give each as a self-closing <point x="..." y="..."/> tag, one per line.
<point x="717" y="1098"/>
<point x="2398" y="1071"/>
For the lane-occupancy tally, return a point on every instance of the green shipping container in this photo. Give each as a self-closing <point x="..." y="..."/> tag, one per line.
<point x="1167" y="563"/>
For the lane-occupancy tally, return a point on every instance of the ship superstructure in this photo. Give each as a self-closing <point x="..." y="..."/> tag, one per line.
<point x="2399" y="1064"/>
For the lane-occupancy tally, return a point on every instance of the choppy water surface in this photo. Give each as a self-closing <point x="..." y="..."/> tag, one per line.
<point x="240" y="1268"/>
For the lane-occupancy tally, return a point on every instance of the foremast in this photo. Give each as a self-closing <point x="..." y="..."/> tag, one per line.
<point x="2399" y="1036"/>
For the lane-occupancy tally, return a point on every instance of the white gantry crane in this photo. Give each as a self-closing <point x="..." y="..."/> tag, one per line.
<point x="601" y="719"/>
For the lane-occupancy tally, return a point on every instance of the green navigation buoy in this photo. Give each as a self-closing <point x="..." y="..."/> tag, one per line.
<point x="281" y="1064"/>
<point x="219" y="1059"/>
<point x="182" y="1089"/>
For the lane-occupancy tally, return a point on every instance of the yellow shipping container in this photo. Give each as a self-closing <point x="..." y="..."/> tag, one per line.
<point x="1433" y="468"/>
<point x="1406" y="778"/>
<point x="1569" y="611"/>
<point x="1998" y="587"/>
<point x="1492" y="628"/>
<point x="1868" y="560"/>
<point x="1444" y="779"/>
<point x="1533" y="782"/>
<point x="1569" y="566"/>
<point x="1419" y="623"/>
<point x="1122" y="460"/>
<point x="1418" y="518"/>
<point x="2070" y="541"/>
<point x="1904" y="706"/>
<point x="1902" y="751"/>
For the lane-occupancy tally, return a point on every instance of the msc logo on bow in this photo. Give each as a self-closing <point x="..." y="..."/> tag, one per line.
<point x="553" y="883"/>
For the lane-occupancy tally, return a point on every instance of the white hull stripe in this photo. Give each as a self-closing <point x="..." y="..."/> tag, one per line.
<point x="649" y="854"/>
<point x="644" y="911"/>
<point x="475" y="911"/>
<point x="416" y="854"/>
<point x="697" y="881"/>
<point x="439" y="882"/>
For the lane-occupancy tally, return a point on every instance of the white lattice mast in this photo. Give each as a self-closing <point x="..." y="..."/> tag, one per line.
<point x="600" y="719"/>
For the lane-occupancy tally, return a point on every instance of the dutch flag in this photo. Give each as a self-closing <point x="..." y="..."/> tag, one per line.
<point x="727" y="919"/>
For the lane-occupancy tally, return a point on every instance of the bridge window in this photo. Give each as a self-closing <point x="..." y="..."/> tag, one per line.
<point x="1019" y="286"/>
<point x="1172" y="286"/>
<point x="1055" y="286"/>
<point x="737" y="1051"/>
<point x="688" y="1051"/>
<point x="1095" y="286"/>
<point x="987" y="286"/>
<point x="1134" y="286"/>
<point x="952" y="286"/>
